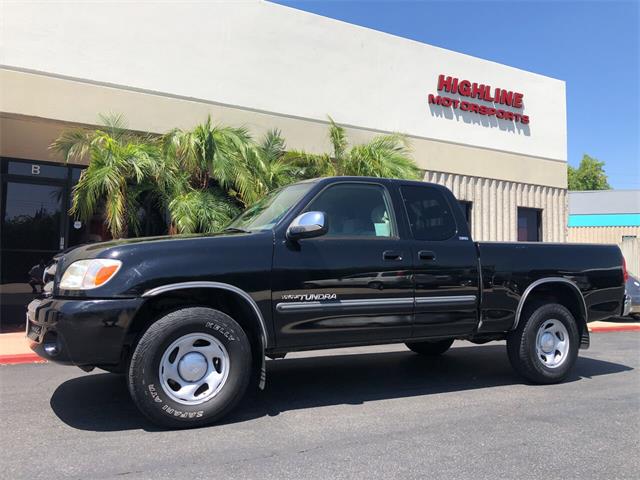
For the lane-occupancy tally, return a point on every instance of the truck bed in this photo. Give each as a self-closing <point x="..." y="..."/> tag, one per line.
<point x="509" y="268"/>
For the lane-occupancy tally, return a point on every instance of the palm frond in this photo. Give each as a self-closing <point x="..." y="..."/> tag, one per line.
<point x="384" y="156"/>
<point x="115" y="124"/>
<point x="272" y="146"/>
<point x="201" y="211"/>
<point x="115" y="209"/>
<point x="311" y="165"/>
<point x="73" y="144"/>
<point x="338" y="137"/>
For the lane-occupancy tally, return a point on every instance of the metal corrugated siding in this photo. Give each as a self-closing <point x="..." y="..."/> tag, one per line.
<point x="601" y="234"/>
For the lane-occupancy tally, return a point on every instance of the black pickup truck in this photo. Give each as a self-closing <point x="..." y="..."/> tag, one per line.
<point x="324" y="263"/>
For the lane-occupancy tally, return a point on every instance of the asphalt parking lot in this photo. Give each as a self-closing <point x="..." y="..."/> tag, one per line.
<point x="384" y="413"/>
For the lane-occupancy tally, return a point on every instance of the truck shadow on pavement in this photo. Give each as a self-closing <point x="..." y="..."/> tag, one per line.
<point x="101" y="402"/>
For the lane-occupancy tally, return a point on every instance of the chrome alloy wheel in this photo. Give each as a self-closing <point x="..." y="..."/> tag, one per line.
<point x="552" y="343"/>
<point x="194" y="368"/>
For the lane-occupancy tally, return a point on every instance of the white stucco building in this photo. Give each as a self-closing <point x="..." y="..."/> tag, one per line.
<point x="497" y="138"/>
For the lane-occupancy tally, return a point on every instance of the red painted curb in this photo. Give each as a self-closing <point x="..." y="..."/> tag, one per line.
<point x="21" y="358"/>
<point x="616" y="328"/>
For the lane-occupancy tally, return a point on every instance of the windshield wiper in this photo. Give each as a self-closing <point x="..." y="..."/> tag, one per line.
<point x="234" y="229"/>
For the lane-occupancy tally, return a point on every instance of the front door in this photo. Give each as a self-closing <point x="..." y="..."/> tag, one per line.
<point x="445" y="264"/>
<point x="351" y="285"/>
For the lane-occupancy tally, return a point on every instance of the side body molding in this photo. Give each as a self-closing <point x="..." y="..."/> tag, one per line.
<point x="541" y="281"/>
<point x="264" y="338"/>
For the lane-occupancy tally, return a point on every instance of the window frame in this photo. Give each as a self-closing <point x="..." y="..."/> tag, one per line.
<point x="456" y="228"/>
<point x="394" y="233"/>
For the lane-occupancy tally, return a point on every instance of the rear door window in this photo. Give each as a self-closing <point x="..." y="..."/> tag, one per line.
<point x="430" y="215"/>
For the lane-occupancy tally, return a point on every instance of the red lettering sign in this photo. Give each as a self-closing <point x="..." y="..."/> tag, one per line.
<point x="485" y="93"/>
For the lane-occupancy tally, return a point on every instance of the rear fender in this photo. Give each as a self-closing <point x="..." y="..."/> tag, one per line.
<point x="582" y="306"/>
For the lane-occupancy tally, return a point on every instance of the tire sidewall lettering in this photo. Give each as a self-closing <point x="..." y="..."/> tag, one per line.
<point x="174" y="412"/>
<point x="227" y="333"/>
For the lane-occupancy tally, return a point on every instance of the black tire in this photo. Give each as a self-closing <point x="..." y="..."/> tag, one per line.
<point x="430" y="348"/>
<point x="521" y="344"/>
<point x="145" y="383"/>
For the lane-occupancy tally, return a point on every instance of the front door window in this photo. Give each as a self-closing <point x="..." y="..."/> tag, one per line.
<point x="355" y="210"/>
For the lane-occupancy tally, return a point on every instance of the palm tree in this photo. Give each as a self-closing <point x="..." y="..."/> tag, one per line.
<point x="267" y="165"/>
<point x="212" y="154"/>
<point x="216" y="183"/>
<point x="122" y="164"/>
<point x="384" y="156"/>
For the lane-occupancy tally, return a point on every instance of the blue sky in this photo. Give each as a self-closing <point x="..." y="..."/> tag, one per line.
<point x="592" y="45"/>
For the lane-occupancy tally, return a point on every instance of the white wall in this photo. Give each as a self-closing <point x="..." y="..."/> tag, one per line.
<point x="259" y="55"/>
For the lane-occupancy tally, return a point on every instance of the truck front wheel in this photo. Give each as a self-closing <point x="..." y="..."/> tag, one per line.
<point x="430" y="348"/>
<point x="544" y="347"/>
<point x="190" y="368"/>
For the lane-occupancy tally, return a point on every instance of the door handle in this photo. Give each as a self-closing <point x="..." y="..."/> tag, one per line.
<point x="391" y="255"/>
<point x="426" y="255"/>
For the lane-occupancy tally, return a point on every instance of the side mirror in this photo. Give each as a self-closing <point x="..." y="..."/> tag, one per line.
<point x="308" y="225"/>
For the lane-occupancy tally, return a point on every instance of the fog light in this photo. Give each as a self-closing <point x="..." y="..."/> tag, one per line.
<point x="51" y="349"/>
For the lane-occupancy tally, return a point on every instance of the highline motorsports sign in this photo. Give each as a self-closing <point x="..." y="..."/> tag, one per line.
<point x="497" y="96"/>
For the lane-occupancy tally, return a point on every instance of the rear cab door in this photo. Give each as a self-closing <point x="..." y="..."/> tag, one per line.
<point x="445" y="262"/>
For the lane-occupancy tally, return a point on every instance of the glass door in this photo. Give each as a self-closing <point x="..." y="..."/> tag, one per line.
<point x="33" y="231"/>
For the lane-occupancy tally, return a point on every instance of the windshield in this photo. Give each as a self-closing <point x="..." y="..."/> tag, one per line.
<point x="264" y="214"/>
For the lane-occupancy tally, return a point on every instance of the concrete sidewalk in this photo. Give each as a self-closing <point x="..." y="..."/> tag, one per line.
<point x="630" y="326"/>
<point x="14" y="348"/>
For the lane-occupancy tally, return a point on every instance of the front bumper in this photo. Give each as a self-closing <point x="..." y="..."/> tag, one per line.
<point x="80" y="332"/>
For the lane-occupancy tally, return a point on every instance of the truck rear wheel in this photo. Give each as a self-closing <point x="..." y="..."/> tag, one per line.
<point x="544" y="347"/>
<point x="190" y="368"/>
<point x="430" y="348"/>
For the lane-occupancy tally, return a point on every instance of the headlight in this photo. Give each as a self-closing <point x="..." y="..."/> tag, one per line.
<point x="87" y="274"/>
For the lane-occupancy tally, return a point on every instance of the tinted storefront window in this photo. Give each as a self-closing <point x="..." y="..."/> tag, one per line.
<point x="34" y="201"/>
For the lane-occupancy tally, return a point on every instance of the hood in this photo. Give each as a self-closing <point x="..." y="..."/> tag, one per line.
<point x="151" y="261"/>
<point x="103" y="249"/>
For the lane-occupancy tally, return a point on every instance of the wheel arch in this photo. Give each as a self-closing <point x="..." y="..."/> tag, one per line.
<point x="559" y="290"/>
<point x="225" y="297"/>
